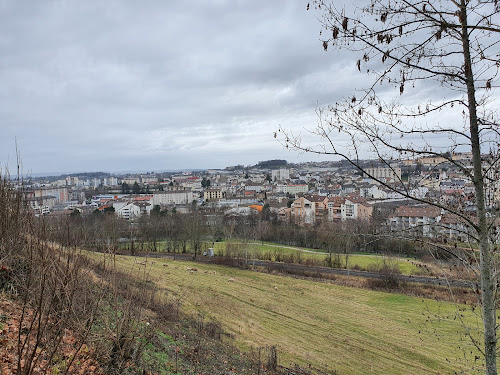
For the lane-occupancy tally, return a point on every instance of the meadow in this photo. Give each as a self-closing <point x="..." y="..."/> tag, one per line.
<point x="350" y="330"/>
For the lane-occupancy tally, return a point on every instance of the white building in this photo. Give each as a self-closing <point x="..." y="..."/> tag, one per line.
<point x="165" y="198"/>
<point x="292" y="188"/>
<point x="149" y="179"/>
<point x="42" y="205"/>
<point x="372" y="192"/>
<point x="72" y="181"/>
<point x="95" y="182"/>
<point x="281" y="174"/>
<point x="128" y="211"/>
<point x="110" y="181"/>
<point x="349" y="210"/>
<point x="254" y="187"/>
<point x="383" y="172"/>
<point x="119" y="204"/>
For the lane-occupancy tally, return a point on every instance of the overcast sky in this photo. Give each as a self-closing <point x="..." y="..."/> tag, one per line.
<point x="156" y="85"/>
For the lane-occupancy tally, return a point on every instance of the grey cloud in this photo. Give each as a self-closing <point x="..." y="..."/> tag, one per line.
<point x="120" y="85"/>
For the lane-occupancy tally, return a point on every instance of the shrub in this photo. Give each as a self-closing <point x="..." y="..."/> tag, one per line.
<point x="389" y="272"/>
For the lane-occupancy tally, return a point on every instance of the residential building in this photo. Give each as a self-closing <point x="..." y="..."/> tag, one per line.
<point x="303" y="211"/>
<point x="149" y="179"/>
<point x="128" y="211"/>
<point x="250" y="186"/>
<point x="281" y="174"/>
<point x="294" y="189"/>
<point x="42" y="205"/>
<point x="110" y="181"/>
<point x="144" y="207"/>
<point x="320" y="207"/>
<point x="348" y="210"/>
<point x="365" y="211"/>
<point x="285" y="214"/>
<point x="214" y="194"/>
<point x="419" y="219"/>
<point x="431" y="161"/>
<point x="453" y="227"/>
<point x="72" y="181"/>
<point x="131" y="180"/>
<point x="173" y="197"/>
<point x="382" y="173"/>
<point x="60" y="193"/>
<point x="334" y="207"/>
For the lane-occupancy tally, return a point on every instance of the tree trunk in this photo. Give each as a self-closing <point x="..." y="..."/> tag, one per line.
<point x="488" y="284"/>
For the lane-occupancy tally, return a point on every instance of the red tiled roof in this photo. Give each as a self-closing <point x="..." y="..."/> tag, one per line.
<point x="355" y="198"/>
<point x="449" y="219"/>
<point x="315" y="198"/>
<point x="336" y="200"/>
<point x="409" y="211"/>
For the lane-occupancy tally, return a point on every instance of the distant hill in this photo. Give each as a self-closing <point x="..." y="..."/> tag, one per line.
<point x="276" y="163"/>
<point x="80" y="175"/>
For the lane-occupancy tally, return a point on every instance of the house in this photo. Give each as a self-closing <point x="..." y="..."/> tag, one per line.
<point x="372" y="191"/>
<point x="128" y="211"/>
<point x="144" y="207"/>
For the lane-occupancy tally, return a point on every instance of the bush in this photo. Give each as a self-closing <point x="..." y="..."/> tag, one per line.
<point x="389" y="272"/>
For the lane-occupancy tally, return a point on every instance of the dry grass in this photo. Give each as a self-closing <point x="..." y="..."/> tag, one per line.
<point x="350" y="330"/>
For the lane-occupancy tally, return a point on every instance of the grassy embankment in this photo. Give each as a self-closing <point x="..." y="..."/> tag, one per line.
<point x="353" y="331"/>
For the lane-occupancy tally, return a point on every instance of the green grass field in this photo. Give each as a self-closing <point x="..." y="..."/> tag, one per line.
<point x="353" y="331"/>
<point x="276" y="252"/>
<point x="361" y="261"/>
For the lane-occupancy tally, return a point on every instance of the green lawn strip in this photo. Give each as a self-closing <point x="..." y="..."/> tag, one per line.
<point x="275" y="252"/>
<point x="364" y="262"/>
<point x="351" y="330"/>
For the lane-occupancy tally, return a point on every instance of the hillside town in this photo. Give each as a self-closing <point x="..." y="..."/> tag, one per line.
<point x="305" y="194"/>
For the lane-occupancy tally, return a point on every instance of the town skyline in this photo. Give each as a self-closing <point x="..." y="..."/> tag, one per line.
<point x="151" y="171"/>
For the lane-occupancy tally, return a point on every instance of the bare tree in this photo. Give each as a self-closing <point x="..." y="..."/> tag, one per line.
<point x="195" y="229"/>
<point x="451" y="47"/>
